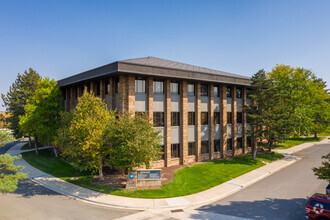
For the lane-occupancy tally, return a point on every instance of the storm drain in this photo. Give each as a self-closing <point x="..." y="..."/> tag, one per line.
<point x="176" y="210"/>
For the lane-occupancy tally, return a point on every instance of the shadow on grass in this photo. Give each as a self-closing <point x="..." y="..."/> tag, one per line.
<point x="260" y="209"/>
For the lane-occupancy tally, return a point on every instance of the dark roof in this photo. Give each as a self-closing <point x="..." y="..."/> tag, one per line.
<point x="158" y="62"/>
<point x="160" y="68"/>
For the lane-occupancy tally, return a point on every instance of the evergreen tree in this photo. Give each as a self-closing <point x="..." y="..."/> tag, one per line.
<point x="15" y="99"/>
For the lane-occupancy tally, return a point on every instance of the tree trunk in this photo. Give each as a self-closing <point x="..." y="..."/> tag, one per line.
<point x="36" y="144"/>
<point x="254" y="154"/>
<point x="30" y="144"/>
<point x="55" y="151"/>
<point x="101" y="178"/>
<point x="270" y="145"/>
<point x="315" y="135"/>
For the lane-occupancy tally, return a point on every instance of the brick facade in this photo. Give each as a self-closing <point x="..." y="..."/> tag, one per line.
<point x="223" y="120"/>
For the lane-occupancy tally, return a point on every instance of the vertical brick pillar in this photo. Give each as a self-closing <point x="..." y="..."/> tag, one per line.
<point x="79" y="92"/>
<point x="67" y="99"/>
<point x="112" y="94"/>
<point x="234" y="124"/>
<point x="168" y="122"/>
<point x="130" y="86"/>
<point x="72" y="97"/>
<point x="223" y="120"/>
<point x="92" y="88"/>
<point x="198" y="121"/>
<point x="244" y="123"/>
<point x="211" y="120"/>
<point x="102" y="93"/>
<point x="122" y="94"/>
<point x="150" y="90"/>
<point x="184" y="121"/>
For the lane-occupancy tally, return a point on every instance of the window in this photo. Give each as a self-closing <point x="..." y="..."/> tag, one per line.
<point x="229" y="144"/>
<point x="319" y="204"/>
<point x="117" y="85"/>
<point x="205" y="147"/>
<point x="229" y="91"/>
<point x="107" y="87"/>
<point x="75" y="92"/>
<point x="239" y="142"/>
<point x="162" y="156"/>
<point x="191" y="89"/>
<point x="82" y="88"/>
<point x="175" y="118"/>
<point x="88" y="87"/>
<point x="140" y="85"/>
<point x="204" y="90"/>
<point x="191" y="118"/>
<point x="158" y="86"/>
<point x="216" y="145"/>
<point x="216" y="118"/>
<point x="239" y="92"/>
<point x="191" y="148"/>
<point x="229" y="118"/>
<point x="158" y="119"/>
<point x="174" y="88"/>
<point x="216" y="91"/>
<point x="175" y="150"/>
<point x="249" y="141"/>
<point x="204" y="118"/>
<point x="239" y="117"/>
<point x="98" y="88"/>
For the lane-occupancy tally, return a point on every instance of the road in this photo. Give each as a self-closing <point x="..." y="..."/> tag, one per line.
<point x="33" y="201"/>
<point x="279" y="196"/>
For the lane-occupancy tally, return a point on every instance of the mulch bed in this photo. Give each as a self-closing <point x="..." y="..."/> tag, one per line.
<point x="114" y="178"/>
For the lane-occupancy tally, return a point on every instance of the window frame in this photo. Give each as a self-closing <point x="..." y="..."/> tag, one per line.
<point x="239" y="95"/>
<point x="216" y="93"/>
<point x="161" y="87"/>
<point x="239" y="117"/>
<point x="239" y="140"/>
<point x="140" y="85"/>
<point x="107" y="87"/>
<point x="159" y="119"/>
<point x="205" y="146"/>
<point x="229" y="117"/>
<point x="189" y="92"/>
<point x="229" y="143"/>
<point x="177" y="150"/>
<point x="172" y="83"/>
<point x="229" y="92"/>
<point x="217" y="143"/>
<point x="191" y="115"/>
<point x="203" y="118"/>
<point x="217" y="118"/>
<point x="204" y="89"/>
<point x="191" y="148"/>
<point x="175" y="122"/>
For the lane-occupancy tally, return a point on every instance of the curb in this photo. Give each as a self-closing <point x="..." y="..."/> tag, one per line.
<point x="216" y="193"/>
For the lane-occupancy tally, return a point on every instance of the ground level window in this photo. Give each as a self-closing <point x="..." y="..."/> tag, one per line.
<point x="229" y="144"/>
<point x="239" y="117"/>
<point x="249" y="141"/>
<point x="162" y="156"/>
<point x="239" y="142"/>
<point x="175" y="150"/>
<point x="191" y="148"/>
<point x="216" y="145"/>
<point x="142" y="114"/>
<point x="205" y="147"/>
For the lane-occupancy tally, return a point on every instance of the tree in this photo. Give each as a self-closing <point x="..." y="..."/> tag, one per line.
<point x="9" y="175"/>
<point x="15" y="99"/>
<point x="82" y="138"/>
<point x="42" y="112"/>
<point x="133" y="142"/>
<point x="5" y="137"/>
<point x="323" y="172"/>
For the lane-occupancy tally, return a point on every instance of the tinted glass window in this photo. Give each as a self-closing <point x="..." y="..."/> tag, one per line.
<point x="319" y="204"/>
<point x="158" y="86"/>
<point x="191" y="148"/>
<point x="107" y="87"/>
<point x="117" y="85"/>
<point x="175" y="118"/>
<point x="204" y="90"/>
<point x="140" y="86"/>
<point x="239" y="142"/>
<point x="158" y="119"/>
<point x="98" y="88"/>
<point x="191" y="89"/>
<point x="216" y="145"/>
<point x="239" y="117"/>
<point x="229" y="144"/>
<point x="239" y="92"/>
<point x="205" y="147"/>
<point x="229" y="91"/>
<point x="174" y="88"/>
<point x="175" y="150"/>
<point x="204" y="118"/>
<point x="216" y="91"/>
<point x="216" y="118"/>
<point x="229" y="118"/>
<point x="191" y="118"/>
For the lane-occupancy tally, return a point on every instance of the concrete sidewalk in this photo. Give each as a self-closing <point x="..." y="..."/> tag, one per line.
<point x="198" y="199"/>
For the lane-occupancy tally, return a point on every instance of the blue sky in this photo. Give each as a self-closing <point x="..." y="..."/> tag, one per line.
<point x="62" y="38"/>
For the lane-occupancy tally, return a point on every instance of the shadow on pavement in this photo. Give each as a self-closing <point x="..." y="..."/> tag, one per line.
<point x="264" y="209"/>
<point x="4" y="148"/>
<point x="28" y="188"/>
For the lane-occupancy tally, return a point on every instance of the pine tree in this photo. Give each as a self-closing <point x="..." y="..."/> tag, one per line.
<point x="15" y="99"/>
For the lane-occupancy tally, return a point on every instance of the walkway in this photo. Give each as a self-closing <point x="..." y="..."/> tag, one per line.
<point x="198" y="199"/>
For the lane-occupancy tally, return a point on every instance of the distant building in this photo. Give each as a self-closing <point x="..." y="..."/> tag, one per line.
<point x="197" y="109"/>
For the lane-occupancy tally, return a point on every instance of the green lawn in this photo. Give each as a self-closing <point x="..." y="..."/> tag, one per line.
<point x="27" y="147"/>
<point x="291" y="142"/>
<point x="188" y="180"/>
